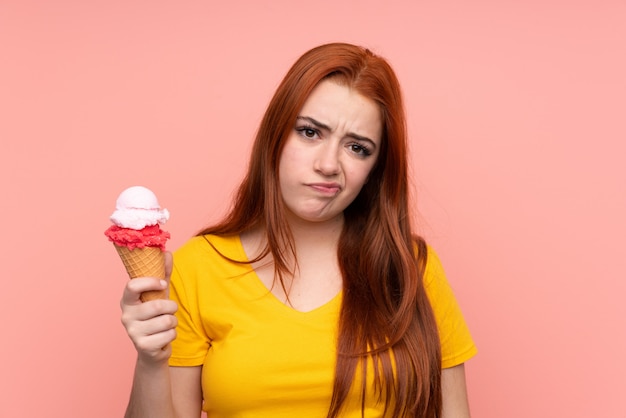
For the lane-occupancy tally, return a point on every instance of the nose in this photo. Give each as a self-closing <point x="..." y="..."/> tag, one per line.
<point x="327" y="159"/>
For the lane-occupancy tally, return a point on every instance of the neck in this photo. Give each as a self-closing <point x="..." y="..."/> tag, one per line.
<point x="324" y="233"/>
<point x="308" y="236"/>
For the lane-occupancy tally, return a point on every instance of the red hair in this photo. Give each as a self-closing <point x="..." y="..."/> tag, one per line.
<point x="385" y="314"/>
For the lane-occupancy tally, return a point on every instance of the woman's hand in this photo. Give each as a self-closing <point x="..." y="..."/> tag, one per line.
<point x="150" y="325"/>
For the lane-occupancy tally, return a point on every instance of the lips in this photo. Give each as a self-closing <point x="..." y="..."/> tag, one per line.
<point x="325" y="188"/>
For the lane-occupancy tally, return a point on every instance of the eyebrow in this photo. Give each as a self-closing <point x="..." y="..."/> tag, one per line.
<point x="320" y="125"/>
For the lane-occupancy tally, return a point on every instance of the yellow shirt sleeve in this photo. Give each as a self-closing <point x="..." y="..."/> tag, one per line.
<point x="457" y="345"/>
<point x="192" y="342"/>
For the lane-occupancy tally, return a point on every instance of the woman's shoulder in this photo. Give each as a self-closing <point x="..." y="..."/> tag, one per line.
<point x="209" y="241"/>
<point x="433" y="266"/>
<point x="433" y="263"/>
<point x="433" y="271"/>
<point x="209" y="246"/>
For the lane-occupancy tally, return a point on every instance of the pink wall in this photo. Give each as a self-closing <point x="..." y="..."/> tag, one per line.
<point x="517" y="113"/>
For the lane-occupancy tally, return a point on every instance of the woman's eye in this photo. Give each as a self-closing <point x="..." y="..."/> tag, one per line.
<point x="360" y="149"/>
<point x="306" y="132"/>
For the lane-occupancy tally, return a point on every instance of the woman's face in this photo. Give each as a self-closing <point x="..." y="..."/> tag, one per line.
<point x="330" y="152"/>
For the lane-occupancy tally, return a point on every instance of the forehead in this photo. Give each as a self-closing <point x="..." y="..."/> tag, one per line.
<point x="341" y="107"/>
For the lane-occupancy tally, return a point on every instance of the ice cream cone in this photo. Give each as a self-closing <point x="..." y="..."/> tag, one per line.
<point x="144" y="262"/>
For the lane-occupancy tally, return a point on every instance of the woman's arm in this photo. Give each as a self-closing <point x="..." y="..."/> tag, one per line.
<point x="159" y="391"/>
<point x="187" y="391"/>
<point x="454" y="392"/>
<point x="169" y="392"/>
<point x="151" y="394"/>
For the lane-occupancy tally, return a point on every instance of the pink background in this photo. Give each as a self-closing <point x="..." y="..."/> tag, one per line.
<point x="516" y="112"/>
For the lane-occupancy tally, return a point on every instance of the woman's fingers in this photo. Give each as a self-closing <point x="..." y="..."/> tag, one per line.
<point x="150" y="325"/>
<point x="151" y="344"/>
<point x="168" y="264"/>
<point x="140" y="322"/>
<point x="135" y="287"/>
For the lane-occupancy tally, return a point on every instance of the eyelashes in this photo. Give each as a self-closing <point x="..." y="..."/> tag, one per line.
<point x="308" y="132"/>
<point x="360" y="149"/>
<point x="355" y="146"/>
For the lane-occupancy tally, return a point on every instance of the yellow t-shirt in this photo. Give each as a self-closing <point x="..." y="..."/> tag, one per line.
<point x="262" y="358"/>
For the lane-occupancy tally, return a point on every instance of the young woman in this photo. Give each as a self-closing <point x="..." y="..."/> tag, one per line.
<point x="312" y="298"/>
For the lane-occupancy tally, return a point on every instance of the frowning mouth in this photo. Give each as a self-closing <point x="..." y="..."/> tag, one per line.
<point x="325" y="188"/>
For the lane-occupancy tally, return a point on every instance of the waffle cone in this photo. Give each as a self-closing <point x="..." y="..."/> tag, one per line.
<point x="144" y="262"/>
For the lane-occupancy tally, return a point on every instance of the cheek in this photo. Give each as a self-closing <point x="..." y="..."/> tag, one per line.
<point x="290" y="163"/>
<point x="360" y="175"/>
<point x="291" y="155"/>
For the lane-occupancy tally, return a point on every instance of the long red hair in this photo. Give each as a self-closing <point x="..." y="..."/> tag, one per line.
<point x="385" y="314"/>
